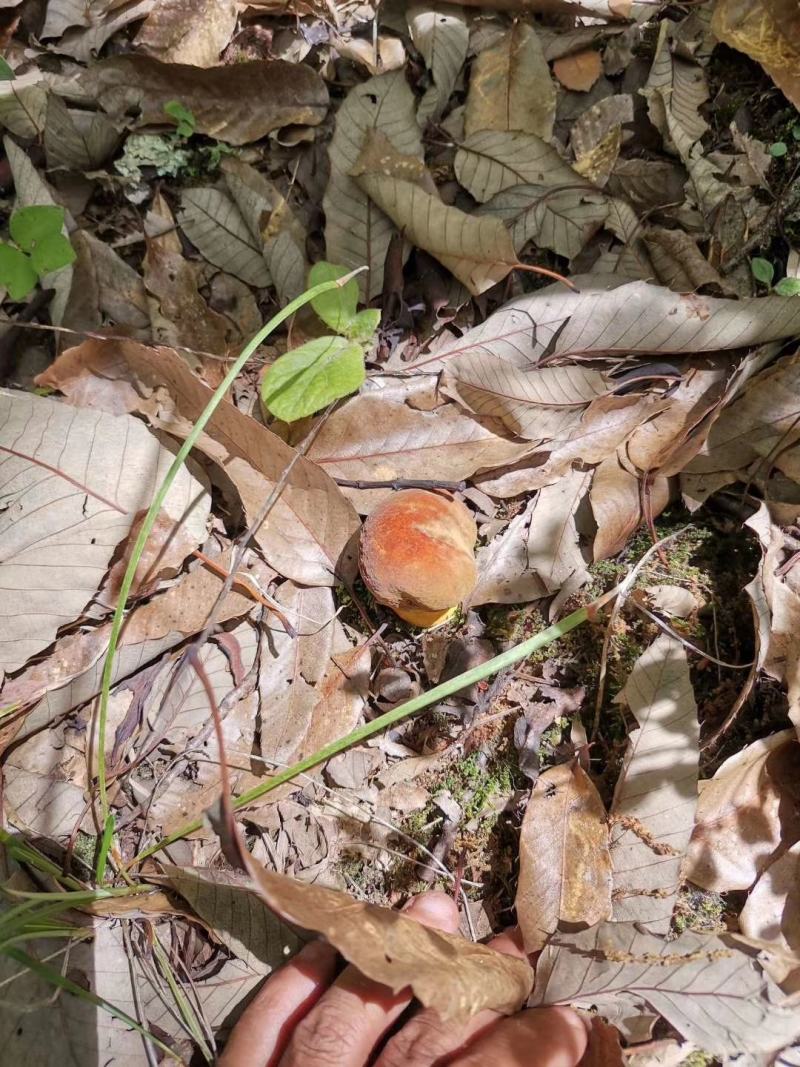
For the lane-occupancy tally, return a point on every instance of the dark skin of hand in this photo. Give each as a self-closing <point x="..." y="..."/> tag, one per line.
<point x="305" y="1016"/>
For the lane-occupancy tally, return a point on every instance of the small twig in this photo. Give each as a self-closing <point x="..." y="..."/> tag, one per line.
<point x="688" y="644"/>
<point x="402" y="483"/>
<point x="547" y="274"/>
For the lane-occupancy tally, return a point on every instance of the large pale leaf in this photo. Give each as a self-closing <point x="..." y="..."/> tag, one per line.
<point x="562" y="220"/>
<point x="684" y="89"/>
<point x="441" y="34"/>
<point x="656" y="794"/>
<point x="510" y="86"/>
<point x="382" y="435"/>
<point x="606" y="318"/>
<point x="710" y="989"/>
<point x="213" y="222"/>
<point x="565" y="868"/>
<point x="236" y="103"/>
<point x="309" y="532"/>
<point x="535" y="403"/>
<point x="357" y="232"/>
<point x="75" y="481"/>
<point x="225" y="901"/>
<point x="747" y="815"/>
<point x="489" y="161"/>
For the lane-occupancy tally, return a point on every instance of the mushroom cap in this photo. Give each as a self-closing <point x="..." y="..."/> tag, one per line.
<point x="417" y="555"/>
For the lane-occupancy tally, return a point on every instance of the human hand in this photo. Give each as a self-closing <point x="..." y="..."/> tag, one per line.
<point x="304" y="1016"/>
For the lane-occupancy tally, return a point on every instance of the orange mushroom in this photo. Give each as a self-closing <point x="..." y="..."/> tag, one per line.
<point x="417" y="555"/>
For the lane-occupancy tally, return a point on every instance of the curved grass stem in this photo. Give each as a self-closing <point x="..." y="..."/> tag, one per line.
<point x="106" y="816"/>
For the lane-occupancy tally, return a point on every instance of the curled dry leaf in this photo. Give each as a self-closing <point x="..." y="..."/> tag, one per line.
<point x="456" y="977"/>
<point x="237" y="104"/>
<point x="70" y="509"/>
<point x="309" y="533"/>
<point x="565" y="867"/>
<point x="747" y="815"/>
<point x="510" y="86"/>
<point x="656" y="794"/>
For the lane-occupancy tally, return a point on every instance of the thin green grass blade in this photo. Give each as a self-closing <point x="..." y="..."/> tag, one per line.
<point x="411" y="707"/>
<point x="57" y="979"/>
<point x="146" y="530"/>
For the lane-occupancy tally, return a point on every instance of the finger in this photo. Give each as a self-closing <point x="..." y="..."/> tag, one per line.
<point x="427" y="1038"/>
<point x="263" y="1031"/>
<point x="539" y="1037"/>
<point x="346" y="1024"/>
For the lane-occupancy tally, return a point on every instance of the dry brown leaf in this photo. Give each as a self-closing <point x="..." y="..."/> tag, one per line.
<point x="477" y="250"/>
<point x="357" y="232"/>
<point x="767" y="31"/>
<point x="440" y="32"/>
<point x="747" y="815"/>
<point x="310" y="532"/>
<point x="655" y="799"/>
<point x="457" y="978"/>
<point x="179" y="314"/>
<point x="504" y="572"/>
<point x="105" y="290"/>
<point x="237" y="104"/>
<point x="580" y="70"/>
<point x="510" y="86"/>
<point x="565" y="867"/>
<point x="381" y="435"/>
<point x="617" y="507"/>
<point x="606" y="318"/>
<point x="188" y="31"/>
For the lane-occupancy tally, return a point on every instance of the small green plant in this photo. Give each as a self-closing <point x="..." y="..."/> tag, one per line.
<point x="39" y="248"/>
<point x="185" y="122"/>
<point x="764" y="272"/>
<point x="780" y="148"/>
<point x="324" y="369"/>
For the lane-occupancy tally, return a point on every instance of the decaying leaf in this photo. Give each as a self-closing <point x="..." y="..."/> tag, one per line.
<point x="456" y="977"/>
<point x="69" y="509"/>
<point x="212" y="221"/>
<point x="225" y="901"/>
<point x="510" y="86"/>
<point x="238" y="103"/>
<point x="712" y="990"/>
<point x="747" y="815"/>
<point x="656" y="794"/>
<point x="565" y="867"/>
